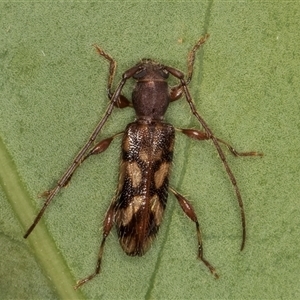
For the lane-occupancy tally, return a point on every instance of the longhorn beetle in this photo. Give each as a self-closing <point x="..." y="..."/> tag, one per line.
<point x="147" y="150"/>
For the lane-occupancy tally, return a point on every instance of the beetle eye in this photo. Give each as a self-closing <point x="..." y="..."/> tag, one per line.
<point x="140" y="73"/>
<point x="163" y="73"/>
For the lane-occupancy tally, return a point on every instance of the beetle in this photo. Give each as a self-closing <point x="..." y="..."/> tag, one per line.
<point x="140" y="200"/>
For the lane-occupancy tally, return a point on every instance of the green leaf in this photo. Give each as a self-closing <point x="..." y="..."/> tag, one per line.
<point x="53" y="92"/>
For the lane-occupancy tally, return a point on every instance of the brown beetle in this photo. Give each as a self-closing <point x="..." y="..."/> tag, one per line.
<point x="147" y="151"/>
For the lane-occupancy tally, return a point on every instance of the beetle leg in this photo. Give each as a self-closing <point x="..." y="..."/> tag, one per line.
<point x="97" y="149"/>
<point x="122" y="100"/>
<point x="202" y="135"/>
<point x="49" y="194"/>
<point x="107" y="226"/>
<point x="190" y="212"/>
<point x="191" y="57"/>
<point x="177" y="91"/>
